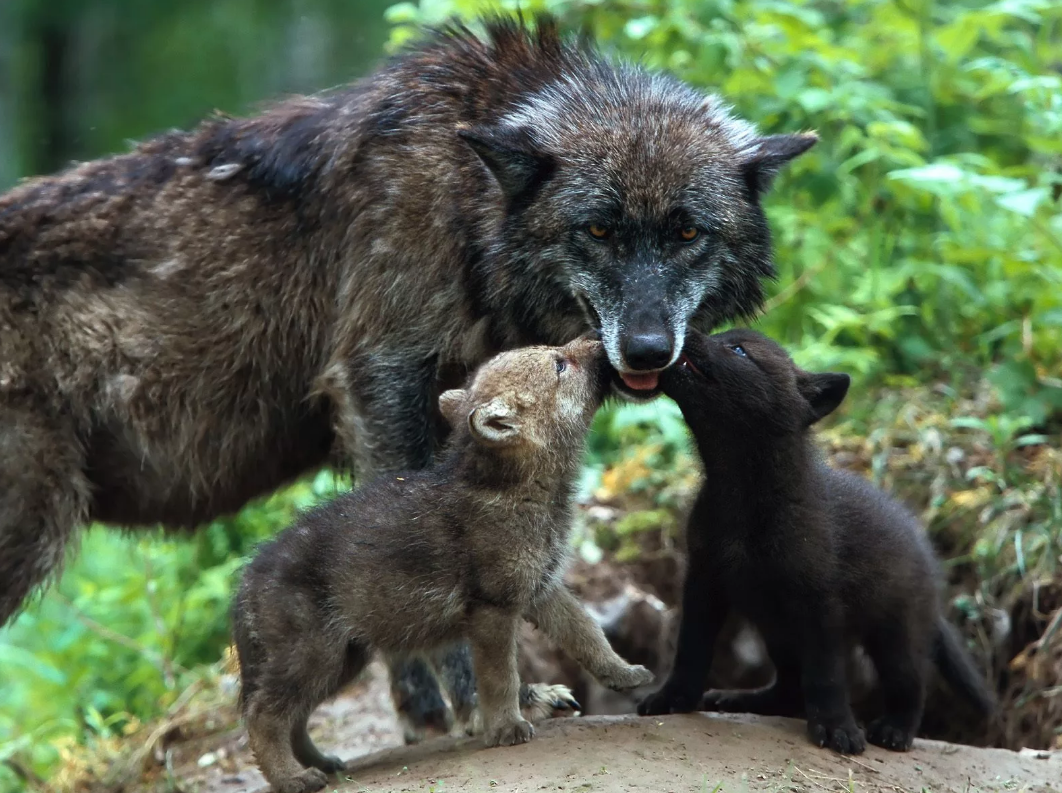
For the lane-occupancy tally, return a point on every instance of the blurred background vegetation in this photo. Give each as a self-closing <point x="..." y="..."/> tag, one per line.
<point x="919" y="246"/>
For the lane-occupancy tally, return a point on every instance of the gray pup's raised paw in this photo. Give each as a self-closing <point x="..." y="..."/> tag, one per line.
<point x="625" y="678"/>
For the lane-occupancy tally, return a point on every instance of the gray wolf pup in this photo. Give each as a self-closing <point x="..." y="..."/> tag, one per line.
<point x="818" y="559"/>
<point x="195" y="323"/>
<point x="421" y="560"/>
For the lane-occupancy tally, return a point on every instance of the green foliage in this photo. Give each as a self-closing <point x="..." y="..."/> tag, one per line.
<point x="122" y="634"/>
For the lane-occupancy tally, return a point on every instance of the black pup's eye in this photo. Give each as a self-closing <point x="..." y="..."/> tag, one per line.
<point x="737" y="348"/>
<point x="561" y="365"/>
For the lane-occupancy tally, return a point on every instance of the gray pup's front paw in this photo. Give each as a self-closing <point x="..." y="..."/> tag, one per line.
<point x="309" y="781"/>
<point x="626" y="677"/>
<point x="519" y="731"/>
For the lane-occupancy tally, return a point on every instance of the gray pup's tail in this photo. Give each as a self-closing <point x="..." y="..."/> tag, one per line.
<point x="958" y="668"/>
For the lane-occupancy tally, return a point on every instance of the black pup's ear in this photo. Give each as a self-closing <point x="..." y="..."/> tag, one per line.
<point x="823" y="392"/>
<point x="511" y="155"/>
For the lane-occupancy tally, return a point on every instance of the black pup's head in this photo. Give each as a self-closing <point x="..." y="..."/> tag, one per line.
<point x="742" y="381"/>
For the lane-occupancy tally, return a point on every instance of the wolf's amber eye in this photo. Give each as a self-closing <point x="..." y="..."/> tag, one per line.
<point x="597" y="232"/>
<point x="689" y="234"/>
<point x="561" y="365"/>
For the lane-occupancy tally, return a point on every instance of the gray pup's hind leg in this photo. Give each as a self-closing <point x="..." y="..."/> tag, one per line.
<point x="301" y="744"/>
<point x="270" y="736"/>
<point x="294" y="662"/>
<point x="308" y="754"/>
<point x="44" y="497"/>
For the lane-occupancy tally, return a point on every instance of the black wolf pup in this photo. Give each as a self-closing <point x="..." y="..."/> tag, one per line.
<point x="818" y="559"/>
<point x="416" y="562"/>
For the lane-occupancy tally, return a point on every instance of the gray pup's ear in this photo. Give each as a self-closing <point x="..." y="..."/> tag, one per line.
<point x="453" y="404"/>
<point x="765" y="157"/>
<point x="494" y="423"/>
<point x="823" y="392"/>
<point x="511" y="155"/>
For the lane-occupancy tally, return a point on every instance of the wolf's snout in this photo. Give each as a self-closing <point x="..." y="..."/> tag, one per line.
<point x="648" y="351"/>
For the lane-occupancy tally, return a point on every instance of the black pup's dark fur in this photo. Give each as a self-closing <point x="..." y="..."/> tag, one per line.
<point x="818" y="559"/>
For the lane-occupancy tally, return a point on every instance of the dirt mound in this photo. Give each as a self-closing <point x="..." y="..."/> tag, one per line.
<point x="698" y="752"/>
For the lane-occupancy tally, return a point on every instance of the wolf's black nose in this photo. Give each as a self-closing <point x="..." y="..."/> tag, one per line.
<point x="648" y="351"/>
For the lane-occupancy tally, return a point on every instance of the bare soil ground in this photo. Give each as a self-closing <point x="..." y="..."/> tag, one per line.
<point x="697" y="752"/>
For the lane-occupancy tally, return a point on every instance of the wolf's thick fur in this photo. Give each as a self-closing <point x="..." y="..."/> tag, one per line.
<point x="417" y="561"/>
<point x="818" y="559"/>
<point x="195" y="323"/>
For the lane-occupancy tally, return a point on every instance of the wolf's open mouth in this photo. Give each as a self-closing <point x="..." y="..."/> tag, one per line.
<point x="640" y="382"/>
<point x="636" y="387"/>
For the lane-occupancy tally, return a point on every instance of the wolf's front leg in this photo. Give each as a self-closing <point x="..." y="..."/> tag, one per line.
<point x="493" y="639"/>
<point x="384" y="406"/>
<point x="568" y="625"/>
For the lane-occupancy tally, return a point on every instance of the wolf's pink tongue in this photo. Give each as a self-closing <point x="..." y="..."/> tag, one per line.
<point x="641" y="382"/>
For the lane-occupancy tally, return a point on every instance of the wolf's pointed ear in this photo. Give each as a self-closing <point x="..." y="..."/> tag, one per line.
<point x="511" y="155"/>
<point x="765" y="157"/>
<point x="823" y="392"/>
<point x="453" y="404"/>
<point x="494" y="423"/>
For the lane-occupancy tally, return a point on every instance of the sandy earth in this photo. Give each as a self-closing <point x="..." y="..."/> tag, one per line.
<point x="696" y="752"/>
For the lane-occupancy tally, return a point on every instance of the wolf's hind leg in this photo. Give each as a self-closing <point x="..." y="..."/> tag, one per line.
<point x="418" y="701"/>
<point x="453" y="665"/>
<point x="44" y="496"/>
<point x="541" y="701"/>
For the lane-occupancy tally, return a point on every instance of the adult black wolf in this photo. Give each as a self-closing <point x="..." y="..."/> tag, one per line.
<point x="194" y="323"/>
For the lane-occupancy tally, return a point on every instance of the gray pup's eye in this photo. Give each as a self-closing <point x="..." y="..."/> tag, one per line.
<point x="561" y="365"/>
<point x="737" y="348"/>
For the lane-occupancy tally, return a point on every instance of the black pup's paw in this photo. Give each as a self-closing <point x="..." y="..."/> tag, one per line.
<point x="887" y="735"/>
<point x="668" y="701"/>
<point x="842" y="736"/>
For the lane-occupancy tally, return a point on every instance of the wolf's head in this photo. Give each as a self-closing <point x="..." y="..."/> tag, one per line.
<point x="743" y="381"/>
<point x="640" y="199"/>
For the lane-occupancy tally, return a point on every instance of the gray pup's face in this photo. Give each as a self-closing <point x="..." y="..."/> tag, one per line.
<point x="641" y="199"/>
<point x="532" y="400"/>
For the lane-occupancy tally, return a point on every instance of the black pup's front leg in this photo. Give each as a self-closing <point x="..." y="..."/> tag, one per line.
<point x="704" y="608"/>
<point x="831" y="722"/>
